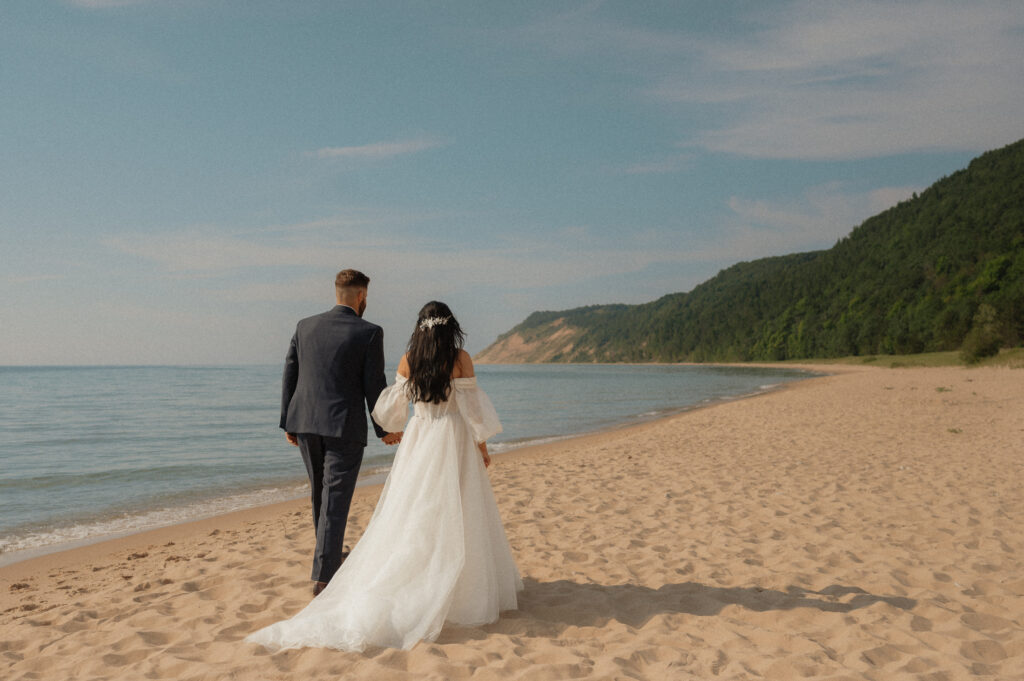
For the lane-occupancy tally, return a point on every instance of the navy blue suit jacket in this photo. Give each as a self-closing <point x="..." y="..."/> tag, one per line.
<point x="335" y="364"/>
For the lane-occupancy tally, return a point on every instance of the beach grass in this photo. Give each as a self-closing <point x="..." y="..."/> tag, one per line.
<point x="1007" y="357"/>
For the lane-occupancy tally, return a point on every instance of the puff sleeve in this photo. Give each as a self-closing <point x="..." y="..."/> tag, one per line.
<point x="476" y="408"/>
<point x="392" y="408"/>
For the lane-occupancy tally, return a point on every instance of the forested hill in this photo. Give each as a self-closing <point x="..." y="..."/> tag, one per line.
<point x="915" y="278"/>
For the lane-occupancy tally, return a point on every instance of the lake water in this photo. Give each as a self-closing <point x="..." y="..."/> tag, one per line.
<point x="92" y="452"/>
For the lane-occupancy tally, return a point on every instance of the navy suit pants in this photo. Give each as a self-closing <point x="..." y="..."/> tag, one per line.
<point x="333" y="466"/>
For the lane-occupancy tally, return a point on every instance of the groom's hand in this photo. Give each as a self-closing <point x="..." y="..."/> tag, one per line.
<point x="292" y="440"/>
<point x="392" y="438"/>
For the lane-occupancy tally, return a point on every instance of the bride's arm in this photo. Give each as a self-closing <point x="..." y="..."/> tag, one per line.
<point x="392" y="408"/>
<point x="464" y="369"/>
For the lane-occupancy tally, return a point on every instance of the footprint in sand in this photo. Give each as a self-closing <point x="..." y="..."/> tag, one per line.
<point x="916" y="666"/>
<point x="112" y="660"/>
<point x="235" y="632"/>
<point x="919" y="623"/>
<point x="981" y="622"/>
<point x="985" y="650"/>
<point x="882" y="655"/>
<point x="719" y="664"/>
<point x="154" y="638"/>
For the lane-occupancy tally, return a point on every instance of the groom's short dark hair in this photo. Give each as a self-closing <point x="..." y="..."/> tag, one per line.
<point x="350" y="279"/>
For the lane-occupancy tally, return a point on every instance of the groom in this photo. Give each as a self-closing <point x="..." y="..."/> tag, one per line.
<point x="335" y="363"/>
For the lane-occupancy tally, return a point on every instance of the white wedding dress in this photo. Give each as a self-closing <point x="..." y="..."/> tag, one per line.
<point x="434" y="550"/>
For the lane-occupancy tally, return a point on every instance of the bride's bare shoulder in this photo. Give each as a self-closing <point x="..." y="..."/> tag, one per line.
<point x="403" y="367"/>
<point x="463" y="366"/>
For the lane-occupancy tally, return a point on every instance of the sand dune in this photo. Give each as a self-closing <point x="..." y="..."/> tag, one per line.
<point x="865" y="525"/>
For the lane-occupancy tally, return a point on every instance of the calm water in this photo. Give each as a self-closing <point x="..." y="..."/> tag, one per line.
<point x="88" y="452"/>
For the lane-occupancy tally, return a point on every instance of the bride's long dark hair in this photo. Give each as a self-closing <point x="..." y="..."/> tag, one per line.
<point x="432" y="351"/>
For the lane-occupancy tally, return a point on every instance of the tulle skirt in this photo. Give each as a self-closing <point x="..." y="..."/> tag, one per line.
<point x="434" y="551"/>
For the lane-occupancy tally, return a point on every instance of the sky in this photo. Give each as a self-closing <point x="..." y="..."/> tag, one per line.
<point x="181" y="179"/>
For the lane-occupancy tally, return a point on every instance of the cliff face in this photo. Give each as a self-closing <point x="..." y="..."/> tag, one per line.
<point x="925" y="275"/>
<point x="515" y="347"/>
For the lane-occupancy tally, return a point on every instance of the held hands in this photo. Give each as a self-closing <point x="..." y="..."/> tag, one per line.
<point x="389" y="439"/>
<point x="483" y="452"/>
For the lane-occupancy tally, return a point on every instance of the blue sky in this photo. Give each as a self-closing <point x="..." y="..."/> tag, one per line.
<point x="182" y="178"/>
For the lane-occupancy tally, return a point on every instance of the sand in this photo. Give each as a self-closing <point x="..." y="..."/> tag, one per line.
<point x="864" y="525"/>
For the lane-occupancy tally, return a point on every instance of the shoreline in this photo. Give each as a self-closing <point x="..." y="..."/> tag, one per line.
<point x="375" y="476"/>
<point x="87" y="551"/>
<point x="862" y="524"/>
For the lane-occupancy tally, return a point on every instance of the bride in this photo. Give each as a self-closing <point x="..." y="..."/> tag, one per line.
<point x="434" y="550"/>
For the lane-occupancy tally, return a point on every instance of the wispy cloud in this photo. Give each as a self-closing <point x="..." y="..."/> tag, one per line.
<point x="856" y="80"/>
<point x="32" y="278"/>
<point x="813" y="221"/>
<point x="216" y="257"/>
<point x="211" y="250"/>
<point x="825" y="80"/>
<point x="661" y="166"/>
<point x="652" y="168"/>
<point x="289" y="268"/>
<point x="323" y="224"/>
<point x="198" y="251"/>
<point x="104" y="4"/>
<point x="356" y="221"/>
<point x="379" y="150"/>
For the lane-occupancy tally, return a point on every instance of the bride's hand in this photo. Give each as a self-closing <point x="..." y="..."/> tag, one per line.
<point x="483" y="452"/>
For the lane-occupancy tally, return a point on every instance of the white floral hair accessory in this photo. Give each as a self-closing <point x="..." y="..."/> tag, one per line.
<point x="431" y="322"/>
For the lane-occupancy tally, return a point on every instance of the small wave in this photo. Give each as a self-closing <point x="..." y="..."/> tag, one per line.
<point x="116" y="476"/>
<point x="137" y="522"/>
<point x="658" y="413"/>
<point x="500" y="447"/>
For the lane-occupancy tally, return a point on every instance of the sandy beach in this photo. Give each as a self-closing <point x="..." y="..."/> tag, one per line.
<point x="864" y="525"/>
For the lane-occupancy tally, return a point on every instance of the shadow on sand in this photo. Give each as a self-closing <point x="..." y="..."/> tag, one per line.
<point x="546" y="608"/>
<point x="633" y="605"/>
